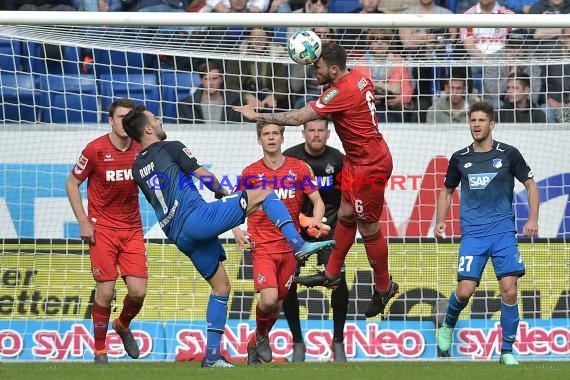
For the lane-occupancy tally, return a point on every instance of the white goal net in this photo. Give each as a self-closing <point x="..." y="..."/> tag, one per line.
<point x="59" y="74"/>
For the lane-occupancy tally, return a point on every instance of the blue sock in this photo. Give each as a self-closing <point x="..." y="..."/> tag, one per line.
<point x="509" y="325"/>
<point x="216" y="316"/>
<point x="453" y="310"/>
<point x="277" y="212"/>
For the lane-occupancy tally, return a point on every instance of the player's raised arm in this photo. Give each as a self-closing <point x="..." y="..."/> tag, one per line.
<point x="295" y="117"/>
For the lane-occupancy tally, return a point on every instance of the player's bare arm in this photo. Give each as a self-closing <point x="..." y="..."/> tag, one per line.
<point x="443" y="204"/>
<point x="318" y="209"/>
<point x="210" y="181"/>
<point x="295" y="117"/>
<point x="74" y="195"/>
<point x="531" y="226"/>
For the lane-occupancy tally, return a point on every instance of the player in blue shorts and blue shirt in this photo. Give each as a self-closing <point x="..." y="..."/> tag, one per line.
<point x="165" y="172"/>
<point x="486" y="170"/>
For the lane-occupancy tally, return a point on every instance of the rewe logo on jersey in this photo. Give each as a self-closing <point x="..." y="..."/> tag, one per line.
<point x="480" y="181"/>
<point x="118" y="175"/>
<point x="285" y="193"/>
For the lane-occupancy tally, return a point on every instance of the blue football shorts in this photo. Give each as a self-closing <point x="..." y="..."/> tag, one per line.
<point x="501" y="248"/>
<point x="199" y="237"/>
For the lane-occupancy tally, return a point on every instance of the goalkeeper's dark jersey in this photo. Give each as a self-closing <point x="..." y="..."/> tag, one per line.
<point x="163" y="171"/>
<point x="487" y="184"/>
<point x="327" y="168"/>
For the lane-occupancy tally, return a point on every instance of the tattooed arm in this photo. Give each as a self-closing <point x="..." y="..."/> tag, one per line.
<point x="295" y="117"/>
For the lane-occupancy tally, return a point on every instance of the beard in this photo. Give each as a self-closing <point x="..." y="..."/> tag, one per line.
<point x="161" y="135"/>
<point x="324" y="80"/>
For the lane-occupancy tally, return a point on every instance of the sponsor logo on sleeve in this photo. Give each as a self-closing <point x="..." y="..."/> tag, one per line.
<point x="188" y="153"/>
<point x="329" y="95"/>
<point x="81" y="164"/>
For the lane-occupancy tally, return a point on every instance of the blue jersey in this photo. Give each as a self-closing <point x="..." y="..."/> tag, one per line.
<point x="487" y="186"/>
<point x="163" y="171"/>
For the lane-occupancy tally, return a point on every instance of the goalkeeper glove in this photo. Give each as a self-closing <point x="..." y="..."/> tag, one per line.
<point x="314" y="232"/>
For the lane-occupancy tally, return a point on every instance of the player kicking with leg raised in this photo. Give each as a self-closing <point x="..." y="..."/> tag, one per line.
<point x="349" y="102"/>
<point x="486" y="170"/>
<point x="273" y="263"/>
<point x="164" y="171"/>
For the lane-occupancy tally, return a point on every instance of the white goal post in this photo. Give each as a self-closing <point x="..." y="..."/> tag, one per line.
<point x="60" y="71"/>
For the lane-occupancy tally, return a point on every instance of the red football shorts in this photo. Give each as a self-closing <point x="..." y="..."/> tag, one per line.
<point x="273" y="270"/>
<point x="116" y="250"/>
<point x="363" y="187"/>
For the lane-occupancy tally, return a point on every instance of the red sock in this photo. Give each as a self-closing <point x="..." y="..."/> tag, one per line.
<point x="344" y="235"/>
<point x="273" y="319"/>
<point x="130" y="310"/>
<point x="377" y="252"/>
<point x="264" y="321"/>
<point x="100" y="316"/>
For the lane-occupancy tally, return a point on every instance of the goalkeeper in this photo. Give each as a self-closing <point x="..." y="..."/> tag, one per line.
<point x="326" y="163"/>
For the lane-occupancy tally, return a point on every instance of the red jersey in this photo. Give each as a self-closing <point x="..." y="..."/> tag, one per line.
<point x="350" y="104"/>
<point x="111" y="191"/>
<point x="290" y="182"/>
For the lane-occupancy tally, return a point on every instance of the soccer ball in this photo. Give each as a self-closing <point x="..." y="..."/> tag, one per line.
<point x="305" y="47"/>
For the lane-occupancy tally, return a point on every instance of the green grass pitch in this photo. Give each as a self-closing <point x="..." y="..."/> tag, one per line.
<point x="393" y="370"/>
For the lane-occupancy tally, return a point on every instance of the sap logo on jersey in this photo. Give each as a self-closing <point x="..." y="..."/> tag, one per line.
<point x="119" y="175"/>
<point x="480" y="181"/>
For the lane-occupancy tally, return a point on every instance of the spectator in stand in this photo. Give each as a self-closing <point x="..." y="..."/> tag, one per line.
<point x="453" y="105"/>
<point x="222" y="39"/>
<point x="355" y="38"/>
<point x="486" y="44"/>
<point x="548" y="38"/>
<point x="428" y="44"/>
<point x="517" y="6"/>
<point x="210" y="102"/>
<point x="314" y="6"/>
<point x="162" y="5"/>
<point x="302" y="80"/>
<point x="558" y="85"/>
<point x="517" y="106"/>
<point x="518" y="48"/>
<point x="263" y="85"/>
<point x="47" y="5"/>
<point x="390" y="75"/>
<point x="395" y="6"/>
<point x="101" y="5"/>
<point x="225" y="6"/>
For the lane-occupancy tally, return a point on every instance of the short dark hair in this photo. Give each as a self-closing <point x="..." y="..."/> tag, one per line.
<point x="483" y="107"/>
<point x="334" y="54"/>
<point x="520" y="75"/>
<point x="134" y="122"/>
<point x="208" y="66"/>
<point x="125" y="103"/>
